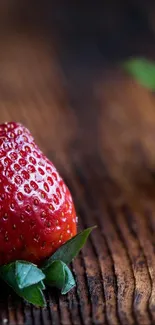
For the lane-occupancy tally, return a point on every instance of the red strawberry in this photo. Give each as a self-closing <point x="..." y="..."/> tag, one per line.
<point x="37" y="214"/>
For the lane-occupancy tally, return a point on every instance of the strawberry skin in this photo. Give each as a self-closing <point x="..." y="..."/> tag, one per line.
<point x="37" y="214"/>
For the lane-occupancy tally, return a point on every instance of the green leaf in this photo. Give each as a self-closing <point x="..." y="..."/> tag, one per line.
<point x="41" y="285"/>
<point x="69" y="281"/>
<point x="33" y="294"/>
<point x="142" y="70"/>
<point x="60" y="276"/>
<point x="55" y="274"/>
<point x="70" y="249"/>
<point x="27" y="274"/>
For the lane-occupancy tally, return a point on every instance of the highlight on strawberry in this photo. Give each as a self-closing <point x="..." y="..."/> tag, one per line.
<point x="38" y="223"/>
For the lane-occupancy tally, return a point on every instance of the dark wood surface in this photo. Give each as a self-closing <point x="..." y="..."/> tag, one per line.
<point x="64" y="105"/>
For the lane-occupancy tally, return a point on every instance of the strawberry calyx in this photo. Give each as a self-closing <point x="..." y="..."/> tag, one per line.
<point x="28" y="280"/>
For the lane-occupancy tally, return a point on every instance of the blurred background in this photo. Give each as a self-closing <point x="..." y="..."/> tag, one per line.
<point x="61" y="75"/>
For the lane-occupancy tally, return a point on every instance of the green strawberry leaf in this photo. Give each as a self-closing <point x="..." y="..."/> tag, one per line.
<point x="142" y="70"/>
<point x="70" y="249"/>
<point x="55" y="274"/>
<point x="69" y="281"/>
<point x="33" y="294"/>
<point x="41" y="285"/>
<point x="27" y="274"/>
<point x="60" y="276"/>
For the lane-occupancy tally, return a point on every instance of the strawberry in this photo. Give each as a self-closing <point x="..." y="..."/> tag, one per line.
<point x="37" y="214"/>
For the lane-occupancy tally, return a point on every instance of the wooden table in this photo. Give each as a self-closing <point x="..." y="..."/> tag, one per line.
<point x="115" y="272"/>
